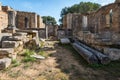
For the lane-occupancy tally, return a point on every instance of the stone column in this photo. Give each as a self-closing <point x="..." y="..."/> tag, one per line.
<point x="11" y="18"/>
<point x="46" y="30"/>
<point x="84" y="22"/>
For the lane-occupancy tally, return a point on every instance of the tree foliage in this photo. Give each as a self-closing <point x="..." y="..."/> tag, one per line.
<point x="49" y="20"/>
<point x="82" y="7"/>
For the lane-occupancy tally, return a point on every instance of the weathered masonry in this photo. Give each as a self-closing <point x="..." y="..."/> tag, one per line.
<point x="28" y="20"/>
<point x="100" y="29"/>
<point x="103" y="24"/>
<point x="19" y="19"/>
<point x="18" y="30"/>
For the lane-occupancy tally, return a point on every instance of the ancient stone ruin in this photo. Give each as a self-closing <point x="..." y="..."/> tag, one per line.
<point x="15" y="33"/>
<point x="100" y="29"/>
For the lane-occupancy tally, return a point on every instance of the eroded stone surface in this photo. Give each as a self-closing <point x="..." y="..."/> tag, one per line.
<point x="5" y="52"/>
<point x="114" y="54"/>
<point x="4" y="63"/>
<point x="10" y="44"/>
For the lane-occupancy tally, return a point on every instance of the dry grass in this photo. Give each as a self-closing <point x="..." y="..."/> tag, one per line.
<point x="62" y="63"/>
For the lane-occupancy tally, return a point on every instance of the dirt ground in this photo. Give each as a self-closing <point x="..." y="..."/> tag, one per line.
<point x="62" y="63"/>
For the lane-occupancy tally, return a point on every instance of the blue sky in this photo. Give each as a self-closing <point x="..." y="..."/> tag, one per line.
<point x="47" y="7"/>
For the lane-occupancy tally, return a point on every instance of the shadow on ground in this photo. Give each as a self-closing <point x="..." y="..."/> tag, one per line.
<point x="72" y="64"/>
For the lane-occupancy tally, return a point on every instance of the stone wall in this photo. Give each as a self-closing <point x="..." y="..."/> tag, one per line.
<point x="67" y="21"/>
<point x="76" y="24"/>
<point x="26" y="20"/>
<point x="105" y="19"/>
<point x="51" y="30"/>
<point x="40" y="23"/>
<point x="42" y="33"/>
<point x="3" y="20"/>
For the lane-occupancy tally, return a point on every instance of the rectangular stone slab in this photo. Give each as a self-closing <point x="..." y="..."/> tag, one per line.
<point x="10" y="44"/>
<point x="15" y="38"/>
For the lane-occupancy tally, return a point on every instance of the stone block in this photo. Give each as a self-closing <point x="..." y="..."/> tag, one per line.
<point x="32" y="44"/>
<point x="113" y="54"/>
<point x="10" y="44"/>
<point x="65" y="41"/>
<point x="3" y="37"/>
<point x="15" y="38"/>
<point x="4" y="63"/>
<point x="5" y="52"/>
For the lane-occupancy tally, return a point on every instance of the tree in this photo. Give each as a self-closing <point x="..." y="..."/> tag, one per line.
<point x="82" y="7"/>
<point x="49" y="19"/>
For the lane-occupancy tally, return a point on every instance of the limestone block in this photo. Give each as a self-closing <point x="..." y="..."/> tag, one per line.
<point x="4" y="63"/>
<point x="4" y="34"/>
<point x="10" y="44"/>
<point x="3" y="37"/>
<point x="15" y="38"/>
<point x="113" y="54"/>
<point x="5" y="52"/>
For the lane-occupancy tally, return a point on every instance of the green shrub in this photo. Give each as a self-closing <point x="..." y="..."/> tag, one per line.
<point x="28" y="52"/>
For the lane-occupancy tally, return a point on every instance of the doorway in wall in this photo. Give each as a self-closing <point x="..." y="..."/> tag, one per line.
<point x="26" y="22"/>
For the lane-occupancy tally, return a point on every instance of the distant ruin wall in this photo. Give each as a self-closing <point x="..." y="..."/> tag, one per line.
<point x="26" y="20"/>
<point x="107" y="18"/>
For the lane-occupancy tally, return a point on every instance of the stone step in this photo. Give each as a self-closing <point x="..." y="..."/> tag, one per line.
<point x="10" y="44"/>
<point x="6" y="52"/>
<point x="4" y="63"/>
<point x="15" y="38"/>
<point x="3" y="37"/>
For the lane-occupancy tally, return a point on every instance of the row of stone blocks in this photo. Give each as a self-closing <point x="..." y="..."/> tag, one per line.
<point x="10" y="46"/>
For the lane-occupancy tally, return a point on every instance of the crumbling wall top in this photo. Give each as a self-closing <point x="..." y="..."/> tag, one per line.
<point x="117" y="1"/>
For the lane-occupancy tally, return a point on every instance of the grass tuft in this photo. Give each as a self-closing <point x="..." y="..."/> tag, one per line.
<point x="15" y="63"/>
<point x="29" y="59"/>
